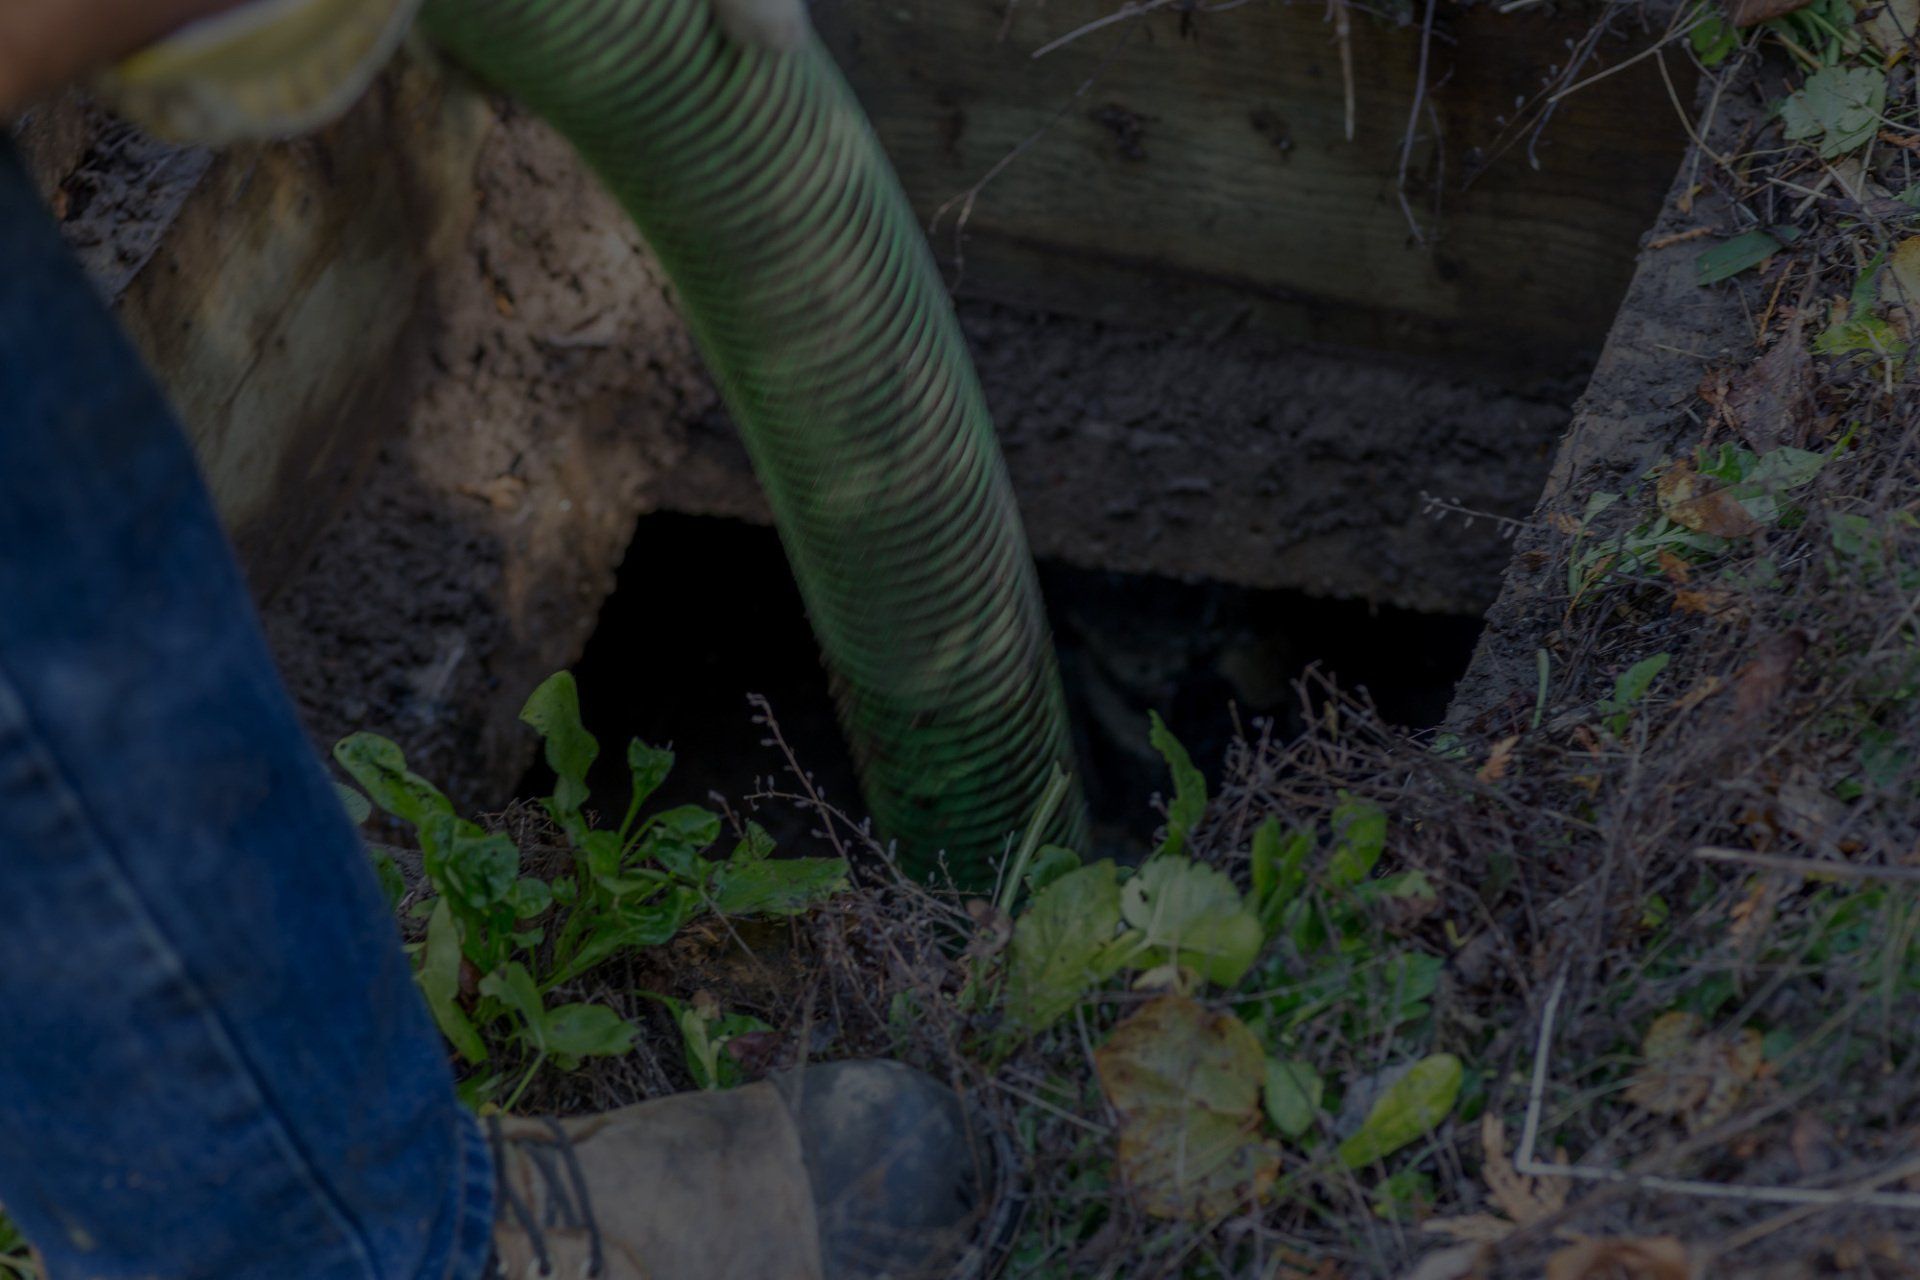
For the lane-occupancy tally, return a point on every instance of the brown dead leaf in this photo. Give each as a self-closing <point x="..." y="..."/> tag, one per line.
<point x="1752" y="914"/>
<point x="1499" y="760"/>
<point x="1694" y="1075"/>
<point x="1771" y="401"/>
<point x="1692" y="503"/>
<point x="1678" y="571"/>
<point x="1708" y="686"/>
<point x="1737" y="1063"/>
<point x="503" y="492"/>
<point x="995" y="928"/>
<point x="1806" y="810"/>
<point x="1708" y="601"/>
<point x="1521" y="1200"/>
<point x="1525" y="1200"/>
<point x="1672" y="1080"/>
<point x="1713" y="389"/>
<point x="1622" y="1258"/>
<point x="1747" y="13"/>
<point x="1894" y="24"/>
<point x="1759" y="684"/>
<point x="1817" y="1151"/>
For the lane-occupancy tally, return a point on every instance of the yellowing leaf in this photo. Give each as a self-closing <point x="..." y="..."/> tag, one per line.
<point x="1186" y="1083"/>
<point x="1413" y="1106"/>
<point x="1192" y="915"/>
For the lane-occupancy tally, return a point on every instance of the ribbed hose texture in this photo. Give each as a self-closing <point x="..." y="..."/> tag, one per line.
<point x="756" y="180"/>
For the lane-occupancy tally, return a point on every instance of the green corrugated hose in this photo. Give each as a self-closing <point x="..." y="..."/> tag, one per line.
<point x="756" y="180"/>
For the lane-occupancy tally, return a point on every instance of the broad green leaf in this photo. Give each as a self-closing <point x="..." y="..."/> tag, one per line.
<point x="379" y="766"/>
<point x="393" y="885"/>
<point x="1629" y="687"/>
<point x="1730" y="257"/>
<point x="1633" y="683"/>
<point x="1061" y="947"/>
<point x="514" y="987"/>
<point x="529" y="897"/>
<point x="554" y="713"/>
<point x="1713" y="37"/>
<point x="1189" y="803"/>
<point x="603" y="850"/>
<point x="1185" y="1081"/>
<point x="755" y="846"/>
<point x="358" y="807"/>
<point x="1049" y="864"/>
<point x="1359" y="838"/>
<point x="1839" y="106"/>
<point x="632" y="925"/>
<point x="675" y="837"/>
<point x="1412" y="1107"/>
<point x="1293" y="1093"/>
<point x="479" y="870"/>
<point x="439" y="980"/>
<point x="705" y="1040"/>
<point x="785" y="887"/>
<point x="1279" y="865"/>
<point x="1192" y="915"/>
<point x="648" y="767"/>
<point x="1785" y="468"/>
<point x="576" y="1031"/>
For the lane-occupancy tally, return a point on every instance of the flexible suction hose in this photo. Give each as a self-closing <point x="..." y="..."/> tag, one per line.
<point x="755" y="178"/>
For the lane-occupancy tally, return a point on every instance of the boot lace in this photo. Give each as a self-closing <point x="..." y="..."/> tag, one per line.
<point x="568" y="1206"/>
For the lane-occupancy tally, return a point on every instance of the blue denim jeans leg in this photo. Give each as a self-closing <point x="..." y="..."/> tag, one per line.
<point x="213" y="1061"/>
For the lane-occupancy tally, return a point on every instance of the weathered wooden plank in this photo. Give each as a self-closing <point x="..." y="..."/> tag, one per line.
<point x="272" y="289"/>
<point x="1203" y="177"/>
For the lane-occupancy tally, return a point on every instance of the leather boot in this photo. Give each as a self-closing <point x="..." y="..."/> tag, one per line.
<point x="849" y="1171"/>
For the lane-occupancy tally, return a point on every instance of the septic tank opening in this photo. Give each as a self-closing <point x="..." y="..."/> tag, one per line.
<point x="706" y="613"/>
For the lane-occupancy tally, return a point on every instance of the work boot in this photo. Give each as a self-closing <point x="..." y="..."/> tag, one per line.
<point x="849" y="1171"/>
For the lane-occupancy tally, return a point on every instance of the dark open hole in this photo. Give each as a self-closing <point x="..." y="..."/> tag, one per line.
<point x="706" y="612"/>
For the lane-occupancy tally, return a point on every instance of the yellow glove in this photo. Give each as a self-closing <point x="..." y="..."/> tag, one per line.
<point x="268" y="69"/>
<point x="274" y="68"/>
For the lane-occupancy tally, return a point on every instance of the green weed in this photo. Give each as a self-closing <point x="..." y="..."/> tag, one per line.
<point x="500" y="943"/>
<point x="1280" y="997"/>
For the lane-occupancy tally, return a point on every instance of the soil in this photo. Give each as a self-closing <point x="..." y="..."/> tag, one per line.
<point x="1234" y="458"/>
<point x="473" y="562"/>
<point x="1635" y="411"/>
<point x="557" y="399"/>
